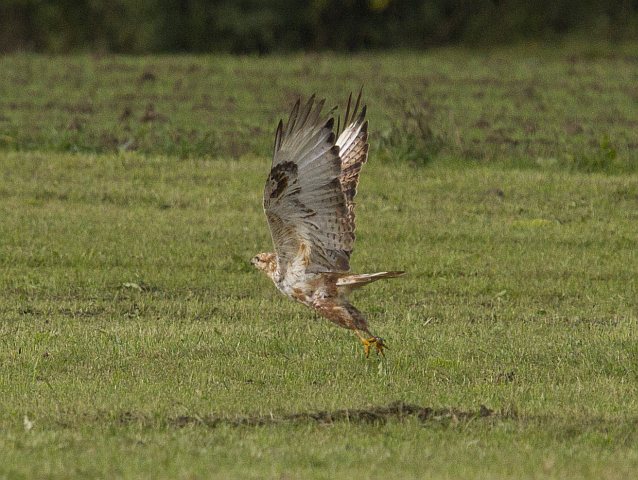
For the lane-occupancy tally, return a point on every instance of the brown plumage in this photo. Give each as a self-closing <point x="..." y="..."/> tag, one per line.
<point x="309" y="203"/>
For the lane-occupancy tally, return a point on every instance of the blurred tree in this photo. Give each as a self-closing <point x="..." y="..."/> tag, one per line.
<point x="241" y="26"/>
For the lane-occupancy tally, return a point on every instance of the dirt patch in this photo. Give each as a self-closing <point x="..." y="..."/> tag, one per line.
<point x="87" y="312"/>
<point x="573" y="128"/>
<point x="482" y="123"/>
<point x="495" y="192"/>
<point x="147" y="76"/>
<point x="84" y="108"/>
<point x="74" y="125"/>
<point x="126" y="113"/>
<point x="152" y="115"/>
<point x="530" y="128"/>
<point x="375" y="415"/>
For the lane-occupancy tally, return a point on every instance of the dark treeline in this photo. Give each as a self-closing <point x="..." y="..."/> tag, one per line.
<point x="241" y="26"/>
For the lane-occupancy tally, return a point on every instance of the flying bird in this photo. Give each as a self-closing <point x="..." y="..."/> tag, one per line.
<point x="309" y="204"/>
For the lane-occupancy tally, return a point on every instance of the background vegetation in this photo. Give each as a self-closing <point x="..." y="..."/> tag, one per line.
<point x="132" y="26"/>
<point x="574" y="108"/>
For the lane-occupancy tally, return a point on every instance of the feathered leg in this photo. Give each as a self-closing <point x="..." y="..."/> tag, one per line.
<point x="347" y="316"/>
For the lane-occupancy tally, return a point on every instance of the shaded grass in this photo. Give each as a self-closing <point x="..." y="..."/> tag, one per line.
<point x="128" y="303"/>
<point x="559" y="109"/>
<point x="477" y="450"/>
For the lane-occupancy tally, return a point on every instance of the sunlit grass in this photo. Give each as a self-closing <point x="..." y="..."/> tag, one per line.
<point x="137" y="341"/>
<point x="127" y="302"/>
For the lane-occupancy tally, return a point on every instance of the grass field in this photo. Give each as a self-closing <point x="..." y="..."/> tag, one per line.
<point x="137" y="341"/>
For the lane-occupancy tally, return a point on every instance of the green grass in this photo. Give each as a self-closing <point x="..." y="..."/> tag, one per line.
<point x="571" y="108"/>
<point x="138" y="342"/>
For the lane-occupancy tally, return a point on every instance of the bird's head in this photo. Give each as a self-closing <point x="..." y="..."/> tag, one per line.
<point x="266" y="262"/>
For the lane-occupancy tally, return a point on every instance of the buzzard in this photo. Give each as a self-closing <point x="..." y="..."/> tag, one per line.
<point x="309" y="204"/>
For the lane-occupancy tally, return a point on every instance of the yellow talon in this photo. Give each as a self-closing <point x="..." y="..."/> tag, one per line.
<point x="377" y="342"/>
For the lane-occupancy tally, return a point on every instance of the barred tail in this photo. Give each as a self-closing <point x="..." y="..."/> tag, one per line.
<point x="351" y="282"/>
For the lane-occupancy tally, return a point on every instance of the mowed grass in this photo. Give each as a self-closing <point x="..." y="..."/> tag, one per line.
<point x="137" y="341"/>
<point x="128" y="303"/>
<point x="573" y="108"/>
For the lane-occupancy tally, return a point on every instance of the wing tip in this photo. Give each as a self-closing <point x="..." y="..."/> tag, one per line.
<point x="364" y="110"/>
<point x="278" y="135"/>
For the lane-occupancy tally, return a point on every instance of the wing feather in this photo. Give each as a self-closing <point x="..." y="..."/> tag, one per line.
<point x="303" y="197"/>
<point x="353" y="147"/>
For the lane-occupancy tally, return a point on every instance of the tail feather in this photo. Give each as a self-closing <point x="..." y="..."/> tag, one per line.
<point x="351" y="282"/>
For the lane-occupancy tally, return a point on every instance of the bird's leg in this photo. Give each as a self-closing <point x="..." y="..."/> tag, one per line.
<point x="375" y="341"/>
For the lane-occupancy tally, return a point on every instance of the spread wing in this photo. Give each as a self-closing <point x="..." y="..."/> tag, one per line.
<point x="353" y="148"/>
<point x="303" y="198"/>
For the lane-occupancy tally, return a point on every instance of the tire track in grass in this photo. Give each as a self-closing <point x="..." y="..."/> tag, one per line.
<point x="396" y="411"/>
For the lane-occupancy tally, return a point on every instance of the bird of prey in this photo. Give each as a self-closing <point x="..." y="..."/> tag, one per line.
<point x="309" y="204"/>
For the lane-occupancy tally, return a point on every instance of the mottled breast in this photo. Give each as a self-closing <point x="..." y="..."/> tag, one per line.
<point x="308" y="289"/>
